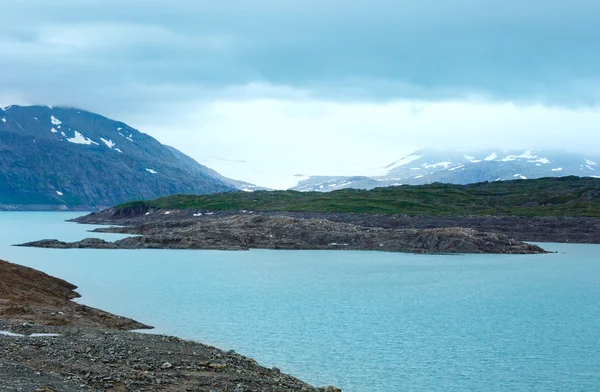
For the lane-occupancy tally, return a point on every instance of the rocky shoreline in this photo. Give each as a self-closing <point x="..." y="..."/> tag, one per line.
<point x="247" y="231"/>
<point x="32" y="296"/>
<point x="48" y="343"/>
<point x="531" y="229"/>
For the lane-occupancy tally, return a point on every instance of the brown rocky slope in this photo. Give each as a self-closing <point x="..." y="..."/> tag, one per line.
<point x="58" y="345"/>
<point x="33" y="296"/>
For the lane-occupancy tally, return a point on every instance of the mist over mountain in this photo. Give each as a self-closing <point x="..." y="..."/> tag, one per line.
<point x="464" y="167"/>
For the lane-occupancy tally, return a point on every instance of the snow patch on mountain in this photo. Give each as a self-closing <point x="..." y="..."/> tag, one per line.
<point x="80" y="139"/>
<point x="151" y="171"/>
<point x="55" y="121"/>
<point x="402" y="162"/>
<point x="3" y="120"/>
<point x="456" y="167"/>
<point x="464" y="167"/>
<point x="109" y="143"/>
<point x="472" y="159"/>
<point x="439" y="164"/>
<point x="544" y="161"/>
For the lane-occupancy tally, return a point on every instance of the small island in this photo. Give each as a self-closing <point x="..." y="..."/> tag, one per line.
<point x="243" y="232"/>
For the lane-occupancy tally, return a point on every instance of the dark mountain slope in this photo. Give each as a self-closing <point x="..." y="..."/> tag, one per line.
<point x="70" y="157"/>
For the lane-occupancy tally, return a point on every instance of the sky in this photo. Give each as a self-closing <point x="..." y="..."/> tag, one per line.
<point x="264" y="90"/>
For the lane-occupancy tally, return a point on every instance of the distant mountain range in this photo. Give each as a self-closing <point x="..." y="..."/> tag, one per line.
<point x="71" y="158"/>
<point x="464" y="167"/>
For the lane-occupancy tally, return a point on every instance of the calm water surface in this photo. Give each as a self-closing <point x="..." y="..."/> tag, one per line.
<point x="364" y="321"/>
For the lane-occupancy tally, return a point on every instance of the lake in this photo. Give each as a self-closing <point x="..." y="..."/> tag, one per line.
<point x="363" y="321"/>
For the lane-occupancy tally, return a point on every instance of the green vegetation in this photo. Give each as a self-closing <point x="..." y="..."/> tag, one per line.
<point x="565" y="196"/>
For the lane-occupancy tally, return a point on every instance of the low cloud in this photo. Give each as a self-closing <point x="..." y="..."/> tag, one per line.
<point x="338" y="85"/>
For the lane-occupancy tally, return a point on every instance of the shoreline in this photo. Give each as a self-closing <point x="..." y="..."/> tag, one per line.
<point x="527" y="229"/>
<point x="50" y="343"/>
<point x="246" y="230"/>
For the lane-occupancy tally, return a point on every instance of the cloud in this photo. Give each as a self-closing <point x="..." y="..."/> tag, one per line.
<point x="313" y="86"/>
<point x="277" y="138"/>
<point x="543" y="51"/>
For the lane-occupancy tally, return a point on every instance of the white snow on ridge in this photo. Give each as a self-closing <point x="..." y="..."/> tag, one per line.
<point x="545" y="161"/>
<point x="595" y="176"/>
<point x="472" y="159"/>
<point x="491" y="157"/>
<point x="109" y="143"/>
<point x="118" y="150"/>
<point x="126" y="137"/>
<point x="526" y="155"/>
<point x="588" y="162"/>
<point x="118" y="129"/>
<point x="522" y="177"/>
<point x="3" y="120"/>
<point x="53" y="130"/>
<point x="151" y="171"/>
<point x="403" y="161"/>
<point x="59" y="193"/>
<point x="444" y="164"/>
<point x="557" y="169"/>
<point x="55" y="121"/>
<point x="80" y="139"/>
<point x="456" y="167"/>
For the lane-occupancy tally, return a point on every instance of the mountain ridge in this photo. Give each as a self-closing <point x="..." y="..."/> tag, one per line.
<point x="69" y="158"/>
<point x="428" y="166"/>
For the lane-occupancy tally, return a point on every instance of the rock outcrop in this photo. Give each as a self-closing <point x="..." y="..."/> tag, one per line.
<point x="33" y="296"/>
<point x="240" y="232"/>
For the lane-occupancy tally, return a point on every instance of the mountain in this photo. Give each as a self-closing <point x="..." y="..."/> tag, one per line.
<point x="464" y="167"/>
<point x="71" y="158"/>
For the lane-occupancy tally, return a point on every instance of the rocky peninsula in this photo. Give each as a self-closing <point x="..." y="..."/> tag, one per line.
<point x="248" y="231"/>
<point x="49" y="343"/>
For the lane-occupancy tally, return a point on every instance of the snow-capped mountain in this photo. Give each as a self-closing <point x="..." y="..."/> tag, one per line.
<point x="461" y="167"/>
<point x="71" y="157"/>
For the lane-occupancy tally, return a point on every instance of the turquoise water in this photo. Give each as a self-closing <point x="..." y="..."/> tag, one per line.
<point x="364" y="321"/>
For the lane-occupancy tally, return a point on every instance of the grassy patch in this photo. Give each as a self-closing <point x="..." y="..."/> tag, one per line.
<point x="565" y="196"/>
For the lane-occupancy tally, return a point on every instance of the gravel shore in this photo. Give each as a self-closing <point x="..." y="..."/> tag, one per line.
<point x="49" y="343"/>
<point x="92" y="359"/>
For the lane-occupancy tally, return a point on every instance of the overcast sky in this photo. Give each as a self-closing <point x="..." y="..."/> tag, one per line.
<point x="261" y="90"/>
